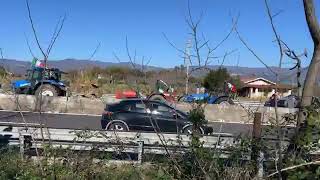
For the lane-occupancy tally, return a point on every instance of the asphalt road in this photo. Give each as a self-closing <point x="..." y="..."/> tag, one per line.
<point x="80" y="121"/>
<point x="65" y="121"/>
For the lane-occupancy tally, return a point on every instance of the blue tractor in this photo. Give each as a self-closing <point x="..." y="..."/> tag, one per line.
<point x="221" y="97"/>
<point x="207" y="98"/>
<point x="41" y="81"/>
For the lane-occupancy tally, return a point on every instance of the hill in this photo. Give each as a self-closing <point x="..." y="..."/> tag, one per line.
<point x="287" y="76"/>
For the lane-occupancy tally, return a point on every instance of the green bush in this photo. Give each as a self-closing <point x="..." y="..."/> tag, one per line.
<point x="215" y="79"/>
<point x="13" y="167"/>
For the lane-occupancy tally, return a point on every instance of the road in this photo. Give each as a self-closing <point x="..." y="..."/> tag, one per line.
<point x="80" y="121"/>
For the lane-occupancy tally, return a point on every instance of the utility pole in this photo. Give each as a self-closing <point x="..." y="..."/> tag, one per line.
<point x="186" y="63"/>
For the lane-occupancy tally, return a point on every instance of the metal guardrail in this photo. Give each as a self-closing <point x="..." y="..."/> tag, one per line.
<point x="249" y="103"/>
<point x="109" y="141"/>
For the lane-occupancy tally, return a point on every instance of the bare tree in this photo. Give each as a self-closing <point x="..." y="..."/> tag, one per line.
<point x="45" y="53"/>
<point x="53" y="38"/>
<point x="134" y="61"/>
<point x="297" y="61"/>
<point x="199" y="54"/>
<point x="310" y="81"/>
<point x="283" y="50"/>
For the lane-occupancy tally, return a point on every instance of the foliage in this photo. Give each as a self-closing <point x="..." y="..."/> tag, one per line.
<point x="81" y="167"/>
<point x="215" y="80"/>
<point x="111" y="79"/>
<point x="203" y="163"/>
<point x="2" y="71"/>
<point x="306" y="142"/>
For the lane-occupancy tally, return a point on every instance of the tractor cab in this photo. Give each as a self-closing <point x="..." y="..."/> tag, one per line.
<point x="40" y="74"/>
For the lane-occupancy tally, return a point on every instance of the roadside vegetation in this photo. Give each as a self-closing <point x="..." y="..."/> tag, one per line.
<point x="112" y="79"/>
<point x="250" y="157"/>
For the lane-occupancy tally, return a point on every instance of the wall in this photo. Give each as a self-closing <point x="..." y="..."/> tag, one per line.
<point x="79" y="105"/>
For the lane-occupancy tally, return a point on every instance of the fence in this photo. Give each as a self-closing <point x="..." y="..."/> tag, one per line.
<point x="109" y="141"/>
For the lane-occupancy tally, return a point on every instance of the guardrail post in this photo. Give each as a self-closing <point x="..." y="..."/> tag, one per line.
<point x="256" y="154"/>
<point x="21" y="144"/>
<point x="140" y="151"/>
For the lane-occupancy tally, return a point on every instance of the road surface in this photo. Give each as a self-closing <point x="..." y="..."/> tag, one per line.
<point x="81" y="121"/>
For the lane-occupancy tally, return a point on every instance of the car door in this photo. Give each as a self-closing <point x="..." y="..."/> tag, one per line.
<point x="165" y="118"/>
<point x="138" y="117"/>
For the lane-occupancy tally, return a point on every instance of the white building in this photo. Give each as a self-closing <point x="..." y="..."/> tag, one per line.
<point x="262" y="88"/>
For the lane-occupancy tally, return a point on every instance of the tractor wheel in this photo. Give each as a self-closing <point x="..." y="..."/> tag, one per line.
<point x="182" y="99"/>
<point x="224" y="101"/>
<point x="158" y="98"/>
<point x="47" y="90"/>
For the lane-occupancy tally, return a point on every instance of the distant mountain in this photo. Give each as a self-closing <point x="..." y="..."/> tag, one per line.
<point x="20" y="67"/>
<point x="286" y="76"/>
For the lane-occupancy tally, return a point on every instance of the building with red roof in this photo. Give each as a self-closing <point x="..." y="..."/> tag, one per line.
<point x="258" y="87"/>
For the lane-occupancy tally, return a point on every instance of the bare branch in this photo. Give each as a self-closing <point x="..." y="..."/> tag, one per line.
<point x="56" y="33"/>
<point x="252" y="51"/>
<point x="117" y="57"/>
<point x="276" y="14"/>
<point x="28" y="44"/>
<point x="238" y="60"/>
<point x="234" y="24"/>
<point x="275" y="32"/>
<point x="148" y="62"/>
<point x="95" y="51"/>
<point x="34" y="31"/>
<point x="294" y="167"/>
<point x="132" y="61"/>
<point x="173" y="45"/>
<point x="227" y="54"/>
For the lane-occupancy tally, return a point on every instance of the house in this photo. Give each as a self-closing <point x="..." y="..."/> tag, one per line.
<point x="258" y="87"/>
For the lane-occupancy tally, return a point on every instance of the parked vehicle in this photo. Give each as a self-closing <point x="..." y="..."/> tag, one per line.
<point x="224" y="97"/>
<point x="41" y="80"/>
<point x="206" y="98"/>
<point x="291" y="101"/>
<point x="146" y="115"/>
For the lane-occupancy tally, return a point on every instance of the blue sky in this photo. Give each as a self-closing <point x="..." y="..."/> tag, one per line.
<point x="143" y="22"/>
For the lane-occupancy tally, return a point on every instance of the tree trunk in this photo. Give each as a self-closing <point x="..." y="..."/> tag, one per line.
<point x="310" y="81"/>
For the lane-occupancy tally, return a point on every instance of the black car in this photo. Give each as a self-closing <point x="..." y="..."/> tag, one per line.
<point x="290" y="101"/>
<point x="146" y="115"/>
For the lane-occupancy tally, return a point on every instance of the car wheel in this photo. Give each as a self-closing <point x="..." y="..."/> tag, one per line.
<point x="117" y="126"/>
<point x="188" y="130"/>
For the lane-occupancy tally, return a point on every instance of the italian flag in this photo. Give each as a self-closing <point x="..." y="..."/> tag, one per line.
<point x="36" y="63"/>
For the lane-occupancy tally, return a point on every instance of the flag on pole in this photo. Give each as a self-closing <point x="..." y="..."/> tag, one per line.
<point x="33" y="62"/>
<point x="36" y="63"/>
